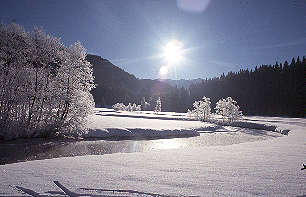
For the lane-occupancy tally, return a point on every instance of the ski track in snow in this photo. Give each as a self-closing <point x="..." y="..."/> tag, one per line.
<point x="261" y="168"/>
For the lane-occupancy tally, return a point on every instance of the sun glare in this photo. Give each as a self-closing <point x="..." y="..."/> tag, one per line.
<point x="167" y="144"/>
<point x="172" y="52"/>
<point x="163" y="70"/>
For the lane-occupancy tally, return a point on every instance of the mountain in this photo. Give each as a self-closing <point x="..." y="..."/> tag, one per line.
<point x="116" y="85"/>
<point x="112" y="82"/>
<point x="182" y="82"/>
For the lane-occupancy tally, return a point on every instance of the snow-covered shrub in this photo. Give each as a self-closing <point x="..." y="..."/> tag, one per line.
<point x="201" y="109"/>
<point x="130" y="107"/>
<point x="119" y="107"/>
<point x="44" y="86"/>
<point x="134" y="106"/>
<point x="145" y="106"/>
<point x="138" y="108"/>
<point x="229" y="109"/>
<point x="158" y="106"/>
<point x="115" y="107"/>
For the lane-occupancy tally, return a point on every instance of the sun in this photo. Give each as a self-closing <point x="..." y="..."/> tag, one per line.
<point x="172" y="52"/>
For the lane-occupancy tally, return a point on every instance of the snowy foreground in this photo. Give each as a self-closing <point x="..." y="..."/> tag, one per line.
<point x="268" y="167"/>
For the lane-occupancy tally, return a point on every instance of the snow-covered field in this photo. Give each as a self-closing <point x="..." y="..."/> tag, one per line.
<point x="269" y="167"/>
<point x="108" y="123"/>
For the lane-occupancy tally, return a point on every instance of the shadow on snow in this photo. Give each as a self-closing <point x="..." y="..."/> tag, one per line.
<point x="66" y="192"/>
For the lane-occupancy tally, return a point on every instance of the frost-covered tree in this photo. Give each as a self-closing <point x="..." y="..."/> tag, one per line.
<point x="229" y="109"/>
<point x="145" y="105"/>
<point x="138" y="108"/>
<point x="44" y="86"/>
<point x="119" y="107"/>
<point x="130" y="107"/>
<point x="201" y="109"/>
<point x="158" y="106"/>
<point x="134" y="107"/>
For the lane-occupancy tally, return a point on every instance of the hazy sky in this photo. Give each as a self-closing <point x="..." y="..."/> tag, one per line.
<point x="218" y="35"/>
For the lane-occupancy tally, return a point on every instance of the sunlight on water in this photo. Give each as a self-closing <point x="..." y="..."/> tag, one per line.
<point x="26" y="150"/>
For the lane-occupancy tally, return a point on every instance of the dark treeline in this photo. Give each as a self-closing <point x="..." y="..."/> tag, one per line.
<point x="271" y="90"/>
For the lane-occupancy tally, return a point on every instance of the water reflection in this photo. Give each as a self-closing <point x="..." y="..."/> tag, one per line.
<point x="24" y="150"/>
<point x="167" y="144"/>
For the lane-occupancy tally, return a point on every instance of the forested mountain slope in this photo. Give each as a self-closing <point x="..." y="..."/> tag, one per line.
<point x="273" y="90"/>
<point x="115" y="85"/>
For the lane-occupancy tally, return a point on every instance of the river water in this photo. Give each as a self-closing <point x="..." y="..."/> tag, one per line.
<point x="36" y="149"/>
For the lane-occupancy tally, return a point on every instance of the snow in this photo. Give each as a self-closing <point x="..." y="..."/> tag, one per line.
<point x="107" y="123"/>
<point x="269" y="167"/>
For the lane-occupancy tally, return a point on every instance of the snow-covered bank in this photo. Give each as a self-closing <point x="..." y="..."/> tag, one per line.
<point x="253" y="125"/>
<point x="139" y="133"/>
<point x="107" y="123"/>
<point x="262" y="168"/>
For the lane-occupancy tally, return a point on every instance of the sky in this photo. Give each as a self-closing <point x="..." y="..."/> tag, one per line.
<point x="217" y="36"/>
